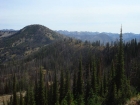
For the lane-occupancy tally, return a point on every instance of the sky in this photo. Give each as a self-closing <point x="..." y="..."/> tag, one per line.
<point x="72" y="15"/>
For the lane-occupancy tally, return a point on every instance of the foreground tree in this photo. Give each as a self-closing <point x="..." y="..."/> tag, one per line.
<point x="55" y="91"/>
<point x="80" y="80"/>
<point x="15" y="101"/>
<point x="41" y="94"/>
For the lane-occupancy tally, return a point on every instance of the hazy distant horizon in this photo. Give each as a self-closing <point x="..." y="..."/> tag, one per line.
<point x="71" y="15"/>
<point x="76" y="31"/>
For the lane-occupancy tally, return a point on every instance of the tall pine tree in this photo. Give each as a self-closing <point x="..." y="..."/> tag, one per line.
<point x="41" y="94"/>
<point x="94" y="77"/>
<point x="62" y="86"/>
<point x="120" y="76"/>
<point x="80" y="80"/>
<point x="14" y="91"/>
<point x="55" y="90"/>
<point x="122" y="84"/>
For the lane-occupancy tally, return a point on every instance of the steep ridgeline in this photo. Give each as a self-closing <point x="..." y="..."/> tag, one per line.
<point x="25" y="41"/>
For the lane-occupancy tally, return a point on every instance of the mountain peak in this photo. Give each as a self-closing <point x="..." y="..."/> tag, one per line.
<point x="30" y="39"/>
<point x="35" y="28"/>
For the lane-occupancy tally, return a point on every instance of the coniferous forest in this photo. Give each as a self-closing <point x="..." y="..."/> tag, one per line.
<point x="72" y="72"/>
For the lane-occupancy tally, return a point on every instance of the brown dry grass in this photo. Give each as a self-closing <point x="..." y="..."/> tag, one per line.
<point x="6" y="97"/>
<point x="134" y="100"/>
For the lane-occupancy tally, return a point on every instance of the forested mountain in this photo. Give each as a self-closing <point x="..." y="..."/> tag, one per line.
<point x="66" y="71"/>
<point x="25" y="41"/>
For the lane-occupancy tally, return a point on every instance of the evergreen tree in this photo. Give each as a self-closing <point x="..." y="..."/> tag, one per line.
<point x="105" y="85"/>
<point x="120" y="65"/>
<point x="41" y="94"/>
<point x="64" y="102"/>
<point x="80" y="100"/>
<point x="6" y="88"/>
<point x="88" y="88"/>
<point x="74" y="85"/>
<point x="101" y="92"/>
<point x="121" y="79"/>
<point x="27" y="97"/>
<point x="80" y="80"/>
<point x="67" y="84"/>
<point x="99" y="76"/>
<point x="14" y="91"/>
<point x="46" y="95"/>
<point x="62" y="86"/>
<point x="32" y="99"/>
<point x="36" y="91"/>
<point x="55" y="90"/>
<point x="50" y="95"/>
<point x="94" y="78"/>
<point x="69" y="98"/>
<point x="93" y="99"/>
<point x="112" y="98"/>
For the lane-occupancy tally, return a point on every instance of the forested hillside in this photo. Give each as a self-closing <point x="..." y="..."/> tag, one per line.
<point x="70" y="72"/>
<point x="26" y="41"/>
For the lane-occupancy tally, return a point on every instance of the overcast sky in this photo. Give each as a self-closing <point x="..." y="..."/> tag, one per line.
<point x="72" y="15"/>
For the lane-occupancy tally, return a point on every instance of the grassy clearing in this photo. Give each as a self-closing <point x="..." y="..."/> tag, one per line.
<point x="6" y="97"/>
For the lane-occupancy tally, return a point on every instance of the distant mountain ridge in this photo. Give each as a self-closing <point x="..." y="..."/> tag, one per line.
<point x="96" y="36"/>
<point x="7" y="32"/>
<point x="84" y="35"/>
